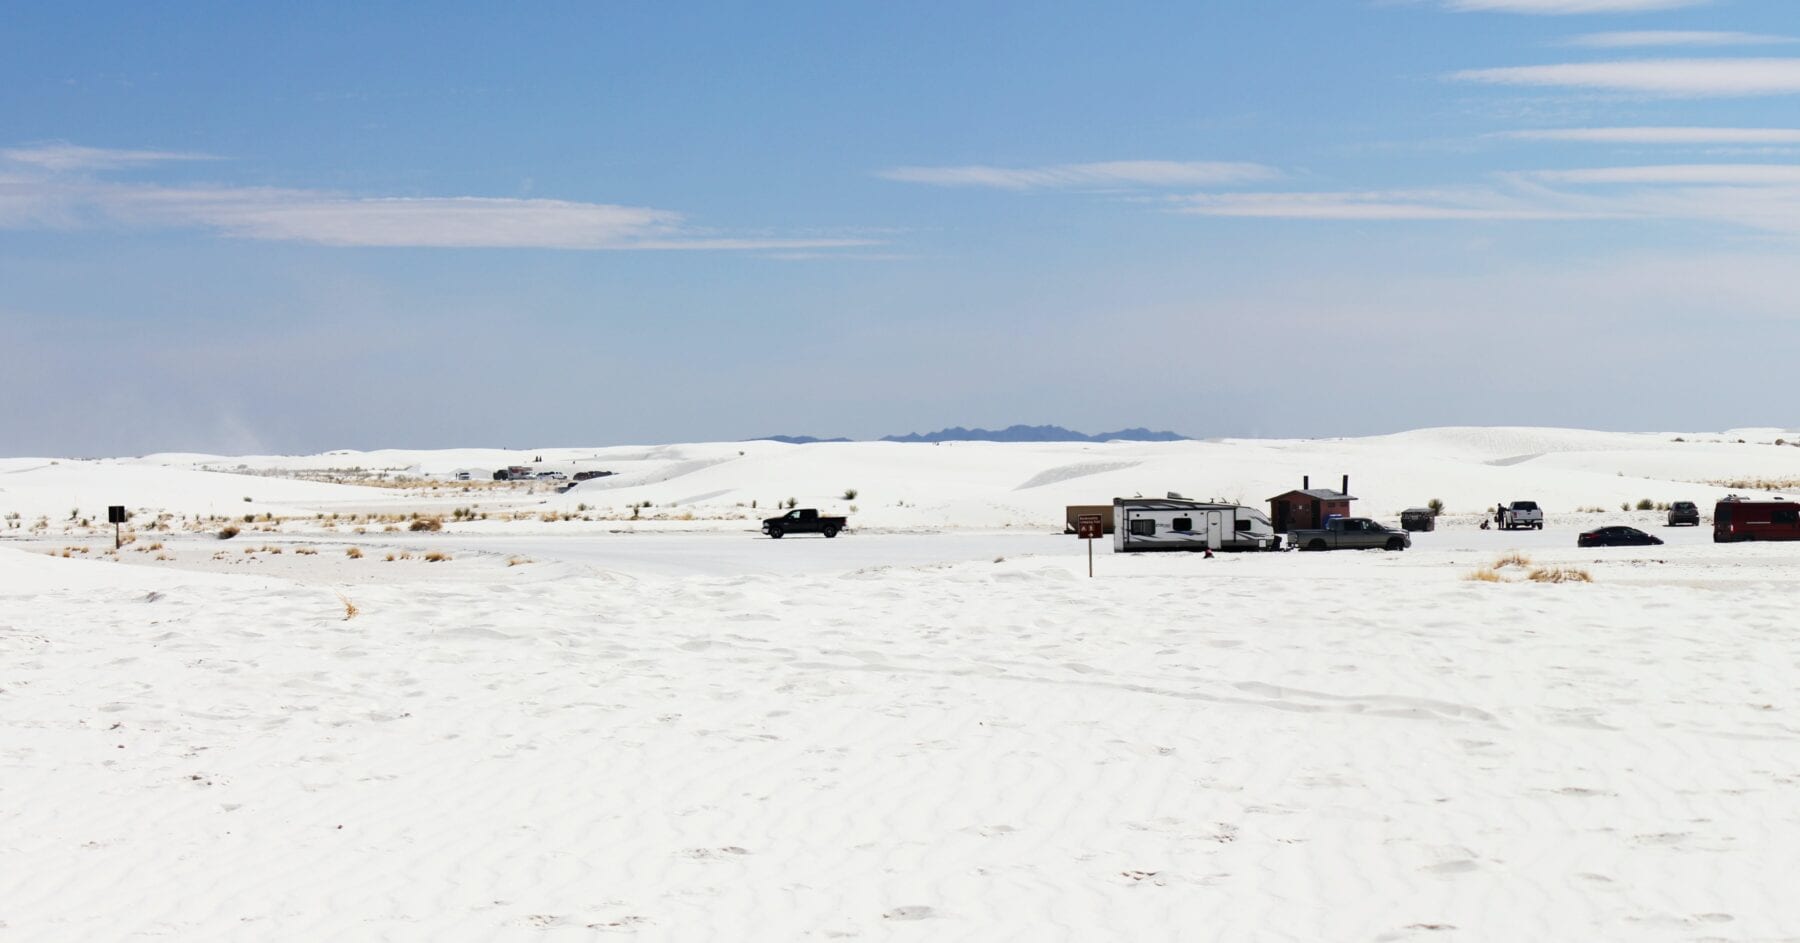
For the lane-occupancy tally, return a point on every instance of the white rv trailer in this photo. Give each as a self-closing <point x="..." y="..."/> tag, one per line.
<point x="1141" y="524"/>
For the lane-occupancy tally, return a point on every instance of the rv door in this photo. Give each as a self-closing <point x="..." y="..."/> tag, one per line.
<point x="1216" y="529"/>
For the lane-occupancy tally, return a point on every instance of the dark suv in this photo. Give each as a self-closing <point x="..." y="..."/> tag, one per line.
<point x="1684" y="512"/>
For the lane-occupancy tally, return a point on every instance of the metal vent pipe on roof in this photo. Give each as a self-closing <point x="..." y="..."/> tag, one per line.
<point x="1305" y="482"/>
<point x="1346" y="488"/>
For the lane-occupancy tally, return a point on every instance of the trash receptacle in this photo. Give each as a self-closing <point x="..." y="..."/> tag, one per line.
<point x="1418" y="519"/>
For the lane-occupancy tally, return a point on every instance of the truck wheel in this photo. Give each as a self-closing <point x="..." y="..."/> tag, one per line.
<point x="1396" y="544"/>
<point x="1538" y="526"/>
<point x="1316" y="545"/>
<point x="830" y="532"/>
<point x="775" y="533"/>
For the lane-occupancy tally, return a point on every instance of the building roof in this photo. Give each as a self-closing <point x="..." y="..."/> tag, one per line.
<point x="1321" y="494"/>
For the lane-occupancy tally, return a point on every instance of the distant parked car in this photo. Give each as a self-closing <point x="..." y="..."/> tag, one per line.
<point x="1617" y="536"/>
<point x="551" y="476"/>
<point x="1684" y="512"/>
<point x="588" y="475"/>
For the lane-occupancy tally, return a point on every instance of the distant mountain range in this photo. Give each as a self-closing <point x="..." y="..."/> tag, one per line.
<point x="1008" y="434"/>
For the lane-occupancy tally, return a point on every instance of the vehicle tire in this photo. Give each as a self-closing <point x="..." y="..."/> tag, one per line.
<point x="830" y="532"/>
<point x="1316" y="545"/>
<point x="1538" y="526"/>
<point x="1396" y="544"/>
<point x="775" y="533"/>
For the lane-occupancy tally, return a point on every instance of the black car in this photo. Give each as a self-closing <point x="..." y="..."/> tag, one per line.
<point x="1617" y="537"/>
<point x="1684" y="512"/>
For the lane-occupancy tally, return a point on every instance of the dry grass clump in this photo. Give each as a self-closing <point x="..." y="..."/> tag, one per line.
<point x="1559" y="574"/>
<point x="350" y="609"/>
<point x="390" y="558"/>
<point x="437" y="556"/>
<point x="306" y="551"/>
<point x="427" y="524"/>
<point x="517" y="561"/>
<point x="354" y="553"/>
<point x="165" y="556"/>
<point x="228" y="531"/>
<point x="1757" y="484"/>
<point x="1512" y="558"/>
<point x="1485" y="575"/>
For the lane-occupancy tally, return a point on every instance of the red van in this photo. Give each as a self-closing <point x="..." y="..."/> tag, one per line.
<point x="1738" y="518"/>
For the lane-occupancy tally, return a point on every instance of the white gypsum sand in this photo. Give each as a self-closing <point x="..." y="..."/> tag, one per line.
<point x="937" y="728"/>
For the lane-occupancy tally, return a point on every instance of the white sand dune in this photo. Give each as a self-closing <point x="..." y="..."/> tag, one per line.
<point x="905" y="735"/>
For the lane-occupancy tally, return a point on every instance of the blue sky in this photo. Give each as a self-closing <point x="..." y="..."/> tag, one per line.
<point x="354" y="226"/>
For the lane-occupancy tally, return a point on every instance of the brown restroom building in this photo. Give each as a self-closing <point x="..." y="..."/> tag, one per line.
<point x="1308" y="507"/>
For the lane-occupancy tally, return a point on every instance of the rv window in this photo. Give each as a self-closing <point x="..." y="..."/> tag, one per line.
<point x="1242" y="526"/>
<point x="1785" y="516"/>
<point x="1182" y="524"/>
<point x="1143" y="527"/>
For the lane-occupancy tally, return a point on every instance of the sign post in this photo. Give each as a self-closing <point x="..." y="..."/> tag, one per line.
<point x="1088" y="528"/>
<point x="115" y="515"/>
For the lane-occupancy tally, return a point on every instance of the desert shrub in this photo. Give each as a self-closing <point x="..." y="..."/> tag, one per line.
<point x="228" y="531"/>
<point x="1512" y="558"/>
<point x="249" y="518"/>
<point x="792" y="503"/>
<point x="354" y="553"/>
<point x="1485" y="575"/>
<point x="849" y="494"/>
<point x="1559" y="574"/>
<point x="1624" y="505"/>
<point x="1645" y="504"/>
<point x="1435" y="506"/>
<point x="436" y="556"/>
<point x="427" y="524"/>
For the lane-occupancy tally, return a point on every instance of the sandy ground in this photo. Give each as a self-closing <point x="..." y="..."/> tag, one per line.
<point x="895" y="736"/>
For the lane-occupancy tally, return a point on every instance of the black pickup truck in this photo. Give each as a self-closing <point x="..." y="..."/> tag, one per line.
<point x="803" y="521"/>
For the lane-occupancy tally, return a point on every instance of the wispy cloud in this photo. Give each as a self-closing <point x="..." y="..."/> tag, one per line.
<point x="1425" y="205"/>
<point x="63" y="156"/>
<point x="1755" y="196"/>
<point x="46" y="189"/>
<point x="1569" y="7"/>
<point x="1655" y="135"/>
<point x="1641" y="38"/>
<point x="1671" y="77"/>
<point x="1106" y="174"/>
<point x="1724" y="174"/>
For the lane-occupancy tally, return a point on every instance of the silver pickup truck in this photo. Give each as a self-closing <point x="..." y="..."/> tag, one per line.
<point x="1350" y="533"/>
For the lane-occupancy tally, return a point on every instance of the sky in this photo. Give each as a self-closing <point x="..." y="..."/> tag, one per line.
<point x="256" y="228"/>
